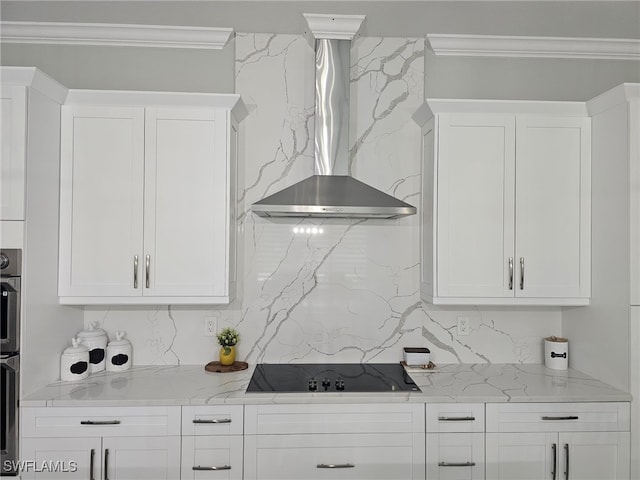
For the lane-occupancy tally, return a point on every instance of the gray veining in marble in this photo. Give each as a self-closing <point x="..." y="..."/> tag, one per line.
<point x="191" y="385"/>
<point x="330" y="290"/>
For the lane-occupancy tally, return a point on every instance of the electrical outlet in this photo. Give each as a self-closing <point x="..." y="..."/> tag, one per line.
<point x="463" y="325"/>
<point x="210" y="327"/>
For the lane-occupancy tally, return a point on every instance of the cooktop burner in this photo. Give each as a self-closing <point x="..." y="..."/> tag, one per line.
<point x="330" y="377"/>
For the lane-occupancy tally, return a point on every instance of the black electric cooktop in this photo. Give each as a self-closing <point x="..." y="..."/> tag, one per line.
<point x="330" y="377"/>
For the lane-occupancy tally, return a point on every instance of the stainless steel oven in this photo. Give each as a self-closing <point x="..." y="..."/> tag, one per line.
<point x="10" y="279"/>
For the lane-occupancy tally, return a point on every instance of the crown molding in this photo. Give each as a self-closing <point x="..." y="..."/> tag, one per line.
<point x="620" y="94"/>
<point x="122" y="35"/>
<point x="534" y="47"/>
<point x="33" y="78"/>
<point x="339" y="27"/>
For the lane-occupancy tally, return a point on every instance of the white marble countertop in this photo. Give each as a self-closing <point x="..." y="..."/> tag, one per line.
<point x="192" y="385"/>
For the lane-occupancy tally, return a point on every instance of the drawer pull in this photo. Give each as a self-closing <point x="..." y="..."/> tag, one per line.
<point x="335" y="465"/>
<point x="199" y="468"/>
<point x="463" y="464"/>
<point x="569" y="417"/>
<point x="100" y="422"/>
<point x="215" y="420"/>
<point x="456" y="419"/>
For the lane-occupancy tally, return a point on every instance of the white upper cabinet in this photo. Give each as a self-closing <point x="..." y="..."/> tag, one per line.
<point x="147" y="193"/>
<point x="505" y="203"/>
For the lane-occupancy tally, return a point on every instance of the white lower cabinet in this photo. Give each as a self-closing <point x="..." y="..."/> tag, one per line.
<point x="334" y="456"/>
<point x="455" y="441"/>
<point x="134" y="458"/>
<point x="554" y="441"/>
<point x="119" y="443"/>
<point x="364" y="442"/>
<point x="212" y="442"/>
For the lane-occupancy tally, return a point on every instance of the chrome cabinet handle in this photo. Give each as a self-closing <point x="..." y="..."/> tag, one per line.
<point x="215" y="420"/>
<point x="521" y="273"/>
<point x="570" y="417"/>
<point x="147" y="267"/>
<point x="335" y="465"/>
<point x="462" y="464"/>
<point x="554" y="449"/>
<point x="91" y="455"/>
<point x="456" y="419"/>
<point x="135" y="271"/>
<point x="106" y="464"/>
<point x="510" y="273"/>
<point x="566" y="456"/>
<point x="199" y="468"/>
<point x="100" y="422"/>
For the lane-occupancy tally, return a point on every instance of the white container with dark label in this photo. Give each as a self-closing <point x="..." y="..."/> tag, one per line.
<point x="74" y="362"/>
<point x="95" y="339"/>
<point x="119" y="354"/>
<point x="556" y="353"/>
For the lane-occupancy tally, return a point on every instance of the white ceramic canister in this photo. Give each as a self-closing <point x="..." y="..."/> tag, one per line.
<point x="556" y="353"/>
<point x="95" y="339"/>
<point x="74" y="362"/>
<point x="119" y="354"/>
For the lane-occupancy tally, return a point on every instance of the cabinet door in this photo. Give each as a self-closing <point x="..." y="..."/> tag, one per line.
<point x="212" y="457"/>
<point x="61" y="458"/>
<point x="522" y="456"/>
<point x="455" y="456"/>
<point x="186" y="207"/>
<point x="101" y="195"/>
<point x="475" y="205"/>
<point x="595" y="456"/>
<point x="552" y="207"/>
<point x="334" y="456"/>
<point x="13" y="124"/>
<point x="141" y="458"/>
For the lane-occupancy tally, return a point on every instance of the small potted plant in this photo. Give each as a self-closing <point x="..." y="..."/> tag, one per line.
<point x="228" y="338"/>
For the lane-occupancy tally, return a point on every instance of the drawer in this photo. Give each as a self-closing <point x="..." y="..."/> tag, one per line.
<point x="558" y="417"/>
<point x="335" y="457"/>
<point x="455" y="455"/>
<point x="100" y="421"/>
<point x="212" y="420"/>
<point x="212" y="457"/>
<point x="331" y="418"/>
<point x="455" y="417"/>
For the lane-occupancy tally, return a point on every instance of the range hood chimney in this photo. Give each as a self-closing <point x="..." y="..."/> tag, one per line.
<point x="331" y="192"/>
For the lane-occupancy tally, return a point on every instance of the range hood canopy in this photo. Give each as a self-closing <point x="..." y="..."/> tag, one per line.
<point x="331" y="192"/>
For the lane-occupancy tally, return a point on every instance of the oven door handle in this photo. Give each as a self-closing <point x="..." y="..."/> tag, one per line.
<point x="11" y="297"/>
<point x="10" y="364"/>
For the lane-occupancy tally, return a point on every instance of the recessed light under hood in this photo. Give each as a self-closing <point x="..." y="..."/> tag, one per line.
<point x="331" y="192"/>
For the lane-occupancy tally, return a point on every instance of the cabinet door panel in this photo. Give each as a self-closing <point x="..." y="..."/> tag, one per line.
<point x="455" y="456"/>
<point x="475" y="205"/>
<point x="224" y="453"/>
<point x="101" y="197"/>
<point x="53" y="458"/>
<point x="358" y="456"/>
<point x="521" y="456"/>
<point x="186" y="178"/>
<point x="142" y="458"/>
<point x="595" y="456"/>
<point x="13" y="108"/>
<point x="552" y="213"/>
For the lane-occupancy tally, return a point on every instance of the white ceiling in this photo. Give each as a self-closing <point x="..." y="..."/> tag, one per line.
<point x="613" y="19"/>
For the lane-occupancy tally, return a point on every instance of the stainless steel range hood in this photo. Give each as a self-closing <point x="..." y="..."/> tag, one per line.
<point x="331" y="192"/>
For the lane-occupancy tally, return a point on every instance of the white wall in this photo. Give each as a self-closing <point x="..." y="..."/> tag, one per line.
<point x="350" y="293"/>
<point x="46" y="326"/>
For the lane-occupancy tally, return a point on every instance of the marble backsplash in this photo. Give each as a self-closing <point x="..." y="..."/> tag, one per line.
<point x="330" y="290"/>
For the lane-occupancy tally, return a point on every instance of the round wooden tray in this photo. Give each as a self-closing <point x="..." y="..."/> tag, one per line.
<point x="218" y="367"/>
